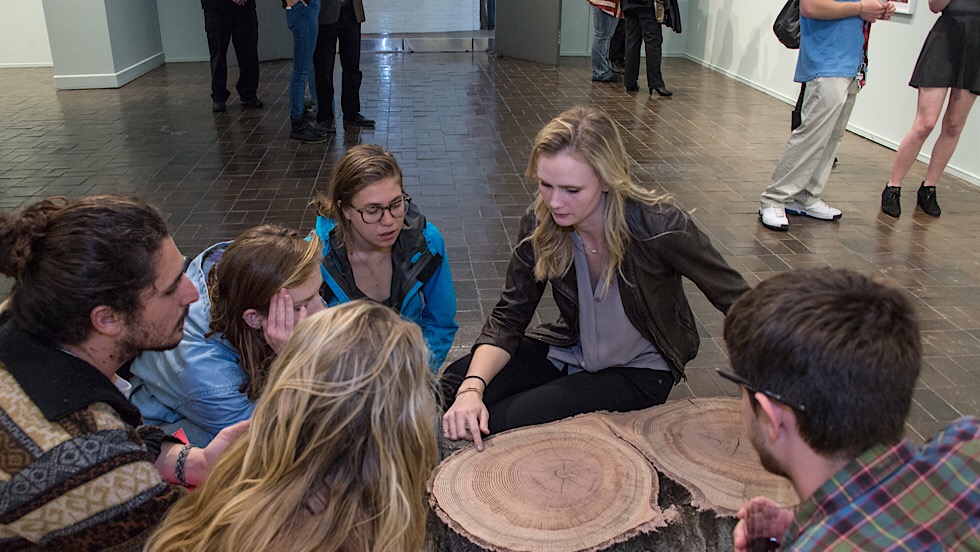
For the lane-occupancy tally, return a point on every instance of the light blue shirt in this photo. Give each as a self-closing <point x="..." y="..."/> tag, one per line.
<point x="830" y="48"/>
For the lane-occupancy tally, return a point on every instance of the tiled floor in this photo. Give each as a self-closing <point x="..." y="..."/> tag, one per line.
<point x="461" y="125"/>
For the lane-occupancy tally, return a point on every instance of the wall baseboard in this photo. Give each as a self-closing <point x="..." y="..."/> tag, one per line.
<point x="193" y="59"/>
<point x="862" y="132"/>
<point x="26" y="64"/>
<point x="109" y="80"/>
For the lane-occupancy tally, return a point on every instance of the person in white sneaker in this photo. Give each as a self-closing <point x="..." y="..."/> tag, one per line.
<point x="832" y="63"/>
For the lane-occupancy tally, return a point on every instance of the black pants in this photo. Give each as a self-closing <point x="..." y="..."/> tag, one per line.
<point x="239" y="26"/>
<point x="346" y="31"/>
<point x="641" y="24"/>
<point x="617" y="45"/>
<point x="530" y="390"/>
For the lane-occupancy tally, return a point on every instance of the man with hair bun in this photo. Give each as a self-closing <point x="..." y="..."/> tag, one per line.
<point x="96" y="281"/>
<point x="827" y="361"/>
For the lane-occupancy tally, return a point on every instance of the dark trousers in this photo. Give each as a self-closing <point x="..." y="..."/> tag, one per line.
<point x="239" y="26"/>
<point x="617" y="45"/>
<point x="530" y="390"/>
<point x="346" y="31"/>
<point x="641" y="24"/>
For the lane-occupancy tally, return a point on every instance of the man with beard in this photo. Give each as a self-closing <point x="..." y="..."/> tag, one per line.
<point x="96" y="281"/>
<point x="827" y="361"/>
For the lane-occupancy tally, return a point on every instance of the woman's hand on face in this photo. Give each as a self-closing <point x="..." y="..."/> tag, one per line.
<point x="465" y="415"/>
<point x="281" y="320"/>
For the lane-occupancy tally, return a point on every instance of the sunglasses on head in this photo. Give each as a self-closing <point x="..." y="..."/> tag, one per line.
<point x="739" y="380"/>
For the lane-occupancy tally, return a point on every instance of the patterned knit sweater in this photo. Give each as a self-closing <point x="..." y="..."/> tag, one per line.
<point x="75" y="474"/>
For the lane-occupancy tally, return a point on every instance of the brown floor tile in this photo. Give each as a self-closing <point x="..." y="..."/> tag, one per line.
<point x="461" y="125"/>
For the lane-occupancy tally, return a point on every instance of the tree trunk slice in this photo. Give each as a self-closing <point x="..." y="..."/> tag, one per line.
<point x="576" y="484"/>
<point x="568" y="485"/>
<point x="700" y="444"/>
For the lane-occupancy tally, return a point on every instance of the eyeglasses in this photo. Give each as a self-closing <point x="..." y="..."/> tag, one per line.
<point x="372" y="214"/>
<point x="739" y="380"/>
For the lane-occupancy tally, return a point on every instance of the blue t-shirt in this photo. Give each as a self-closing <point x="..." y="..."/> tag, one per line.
<point x="830" y="48"/>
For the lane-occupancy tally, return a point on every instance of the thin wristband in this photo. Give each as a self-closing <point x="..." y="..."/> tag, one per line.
<point x="470" y="390"/>
<point x="182" y="464"/>
<point x="477" y="377"/>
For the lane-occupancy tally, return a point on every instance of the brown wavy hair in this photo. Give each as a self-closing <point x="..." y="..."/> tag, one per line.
<point x="260" y="262"/>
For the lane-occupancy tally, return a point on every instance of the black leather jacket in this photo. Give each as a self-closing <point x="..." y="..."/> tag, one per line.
<point x="665" y="245"/>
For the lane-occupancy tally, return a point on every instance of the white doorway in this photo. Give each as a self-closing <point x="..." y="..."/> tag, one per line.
<point x="422" y="16"/>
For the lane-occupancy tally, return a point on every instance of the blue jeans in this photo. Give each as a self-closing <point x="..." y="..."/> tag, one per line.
<point x="302" y="20"/>
<point x="604" y="25"/>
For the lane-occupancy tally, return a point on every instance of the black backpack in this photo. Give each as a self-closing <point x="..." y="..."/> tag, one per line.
<point x="787" y="25"/>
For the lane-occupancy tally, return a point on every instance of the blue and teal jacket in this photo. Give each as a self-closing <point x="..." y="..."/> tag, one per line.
<point x="421" y="284"/>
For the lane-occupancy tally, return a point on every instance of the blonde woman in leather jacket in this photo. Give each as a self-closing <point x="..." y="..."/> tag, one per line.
<point x="614" y="254"/>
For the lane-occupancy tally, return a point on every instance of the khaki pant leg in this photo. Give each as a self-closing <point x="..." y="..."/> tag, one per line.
<point x="804" y="165"/>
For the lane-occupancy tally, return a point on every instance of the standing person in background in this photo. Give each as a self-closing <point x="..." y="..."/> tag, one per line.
<point x="642" y="26"/>
<point x="617" y="48"/>
<point x="340" y="21"/>
<point x="233" y="21"/>
<point x="301" y="17"/>
<point x="833" y="62"/>
<point x="949" y="62"/>
<point x="605" y="15"/>
<point x="488" y="15"/>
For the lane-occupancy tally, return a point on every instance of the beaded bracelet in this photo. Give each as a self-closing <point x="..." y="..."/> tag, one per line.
<point x="470" y="390"/>
<point x="181" y="464"/>
<point x="479" y="378"/>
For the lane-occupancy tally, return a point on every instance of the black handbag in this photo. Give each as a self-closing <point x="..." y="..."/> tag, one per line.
<point x="787" y="25"/>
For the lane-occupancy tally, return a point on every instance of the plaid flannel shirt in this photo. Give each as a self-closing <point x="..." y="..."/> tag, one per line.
<point x="899" y="498"/>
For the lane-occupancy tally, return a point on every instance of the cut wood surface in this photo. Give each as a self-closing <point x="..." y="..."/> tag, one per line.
<point x="565" y="486"/>
<point x="700" y="444"/>
<point x="666" y="478"/>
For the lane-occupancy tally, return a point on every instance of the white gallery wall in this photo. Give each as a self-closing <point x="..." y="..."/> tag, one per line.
<point x="23" y="35"/>
<point x="733" y="37"/>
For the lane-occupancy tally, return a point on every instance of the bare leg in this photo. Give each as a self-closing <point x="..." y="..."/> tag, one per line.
<point x="928" y="107"/>
<point x="960" y="102"/>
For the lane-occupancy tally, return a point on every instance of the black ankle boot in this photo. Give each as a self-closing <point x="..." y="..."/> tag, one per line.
<point x="926" y="198"/>
<point x="305" y="132"/>
<point x="889" y="201"/>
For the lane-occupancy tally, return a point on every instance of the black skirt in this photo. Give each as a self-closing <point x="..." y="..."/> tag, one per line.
<point x="950" y="57"/>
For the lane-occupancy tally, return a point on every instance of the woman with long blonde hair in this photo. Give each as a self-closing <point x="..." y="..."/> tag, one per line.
<point x="253" y="291"/>
<point x="614" y="254"/>
<point x="338" y="451"/>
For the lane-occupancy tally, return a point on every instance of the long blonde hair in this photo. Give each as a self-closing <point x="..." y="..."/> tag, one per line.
<point x="340" y="446"/>
<point x="591" y="135"/>
<point x="260" y="262"/>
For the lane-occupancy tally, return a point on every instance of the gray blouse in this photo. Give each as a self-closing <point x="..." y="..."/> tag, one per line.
<point x="607" y="338"/>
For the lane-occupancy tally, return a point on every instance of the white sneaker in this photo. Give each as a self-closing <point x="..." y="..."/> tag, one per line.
<point x="818" y="210"/>
<point x="774" y="218"/>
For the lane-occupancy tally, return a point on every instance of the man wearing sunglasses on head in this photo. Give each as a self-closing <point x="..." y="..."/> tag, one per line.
<point x="827" y="361"/>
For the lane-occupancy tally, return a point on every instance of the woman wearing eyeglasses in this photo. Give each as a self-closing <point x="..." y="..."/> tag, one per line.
<point x="378" y="246"/>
